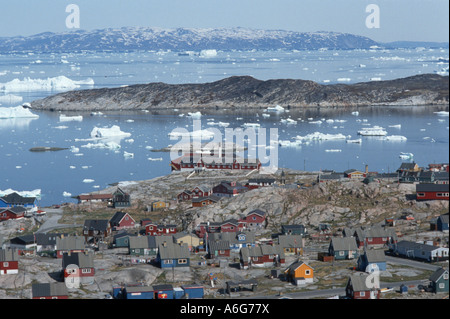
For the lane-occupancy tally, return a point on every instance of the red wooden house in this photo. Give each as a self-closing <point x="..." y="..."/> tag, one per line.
<point x="262" y="256"/>
<point x="357" y="287"/>
<point x="218" y="248"/>
<point x="78" y="268"/>
<point x="204" y="201"/>
<point x="122" y="220"/>
<point x="154" y="229"/>
<point x="9" y="261"/>
<point x="428" y="191"/>
<point x="374" y="237"/>
<point x="254" y="219"/>
<point x="232" y="225"/>
<point x="184" y="195"/>
<point x="16" y="212"/>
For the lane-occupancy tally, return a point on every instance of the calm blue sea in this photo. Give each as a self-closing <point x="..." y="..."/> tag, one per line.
<point x="82" y="169"/>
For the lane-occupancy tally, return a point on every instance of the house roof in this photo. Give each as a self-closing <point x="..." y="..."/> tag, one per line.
<point x="429" y="187"/>
<point x="9" y="255"/>
<point x="170" y="250"/>
<point x="344" y="243"/>
<point x="232" y="237"/>
<point x="49" y="289"/>
<point x="263" y="250"/>
<point x="296" y="265"/>
<point x="16" y="210"/>
<point x="444" y="218"/>
<point x="437" y="274"/>
<point x="96" y="224"/>
<point x="132" y="289"/>
<point x="82" y="260"/>
<point x="70" y="243"/>
<point x="212" y="198"/>
<point x="117" y="218"/>
<point x="14" y="198"/>
<point x="375" y="255"/>
<point x="258" y="212"/>
<point x="358" y="281"/>
<point x="290" y="241"/>
<point x="215" y="245"/>
<point x="404" y="244"/>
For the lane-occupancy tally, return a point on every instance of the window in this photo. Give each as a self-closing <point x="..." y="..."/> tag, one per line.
<point x="362" y="294"/>
<point x="86" y="271"/>
<point x="167" y="262"/>
<point x="420" y="194"/>
<point x="182" y="261"/>
<point x="307" y="272"/>
<point x="6" y="264"/>
<point x="446" y="276"/>
<point x="341" y="253"/>
<point x="441" y="286"/>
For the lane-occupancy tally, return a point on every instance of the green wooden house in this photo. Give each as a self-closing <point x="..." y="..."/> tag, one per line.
<point x="439" y="281"/>
<point x="343" y="248"/>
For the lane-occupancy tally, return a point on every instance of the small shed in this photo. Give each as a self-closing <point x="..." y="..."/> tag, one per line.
<point x="193" y="291"/>
<point x="163" y="291"/>
<point x="138" y="292"/>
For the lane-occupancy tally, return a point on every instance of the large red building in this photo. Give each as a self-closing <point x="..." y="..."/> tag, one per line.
<point x="9" y="261"/>
<point x="428" y="191"/>
<point x="190" y="162"/>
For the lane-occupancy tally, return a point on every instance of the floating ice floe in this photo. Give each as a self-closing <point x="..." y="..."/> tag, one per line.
<point x="315" y="122"/>
<point x="357" y="141"/>
<point x="356" y="113"/>
<point x="333" y="150"/>
<point x="155" y="159"/>
<point x="373" y="131"/>
<point x="61" y="127"/>
<point x="16" y="112"/>
<point x="395" y="138"/>
<point x="59" y="83"/>
<point x="317" y="136"/>
<point x="276" y="108"/>
<point x="396" y="126"/>
<point x="88" y="180"/>
<point x="107" y="145"/>
<point x="105" y="132"/>
<point x="66" y="194"/>
<point x="265" y="115"/>
<point x="288" y="121"/>
<point x="441" y="113"/>
<point x="127" y="154"/>
<point x="222" y="124"/>
<point x="195" y="115"/>
<point x="251" y="125"/>
<point x="344" y="79"/>
<point x="65" y="118"/>
<point x="204" y="134"/>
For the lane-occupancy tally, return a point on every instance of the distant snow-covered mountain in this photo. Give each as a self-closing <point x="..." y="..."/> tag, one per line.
<point x="183" y="39"/>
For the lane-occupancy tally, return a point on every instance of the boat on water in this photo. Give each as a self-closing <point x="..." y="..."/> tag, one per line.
<point x="373" y="131"/>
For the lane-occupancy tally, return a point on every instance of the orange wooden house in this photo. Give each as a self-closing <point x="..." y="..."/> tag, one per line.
<point x="299" y="273"/>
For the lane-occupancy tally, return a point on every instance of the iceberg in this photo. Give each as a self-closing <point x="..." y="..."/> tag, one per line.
<point x="196" y="134"/>
<point x="357" y="141"/>
<point x="222" y="124"/>
<point x="64" y="118"/>
<point x="127" y="154"/>
<point x="66" y="194"/>
<point x="16" y="112"/>
<point x="208" y="53"/>
<point x="373" y="131"/>
<point x="59" y="83"/>
<point x="406" y="156"/>
<point x="333" y="150"/>
<point x="277" y="108"/>
<point x="442" y="113"/>
<point x="88" y="180"/>
<point x="113" y="131"/>
<point x="34" y="193"/>
<point x="195" y="115"/>
<point x="251" y="125"/>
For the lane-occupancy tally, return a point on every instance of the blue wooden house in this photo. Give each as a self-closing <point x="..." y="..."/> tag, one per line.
<point x="164" y="291"/>
<point x="14" y="200"/>
<point x="172" y="255"/>
<point x="442" y="222"/>
<point x="372" y="259"/>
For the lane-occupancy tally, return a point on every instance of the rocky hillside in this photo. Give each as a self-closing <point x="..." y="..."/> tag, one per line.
<point x="247" y="92"/>
<point x="341" y="204"/>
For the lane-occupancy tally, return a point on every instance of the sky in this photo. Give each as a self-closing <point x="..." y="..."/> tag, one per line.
<point x="394" y="20"/>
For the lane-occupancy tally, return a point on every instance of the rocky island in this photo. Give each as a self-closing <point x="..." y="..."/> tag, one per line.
<point x="245" y="92"/>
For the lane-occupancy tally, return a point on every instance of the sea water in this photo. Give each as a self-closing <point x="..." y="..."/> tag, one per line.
<point x="90" y="164"/>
